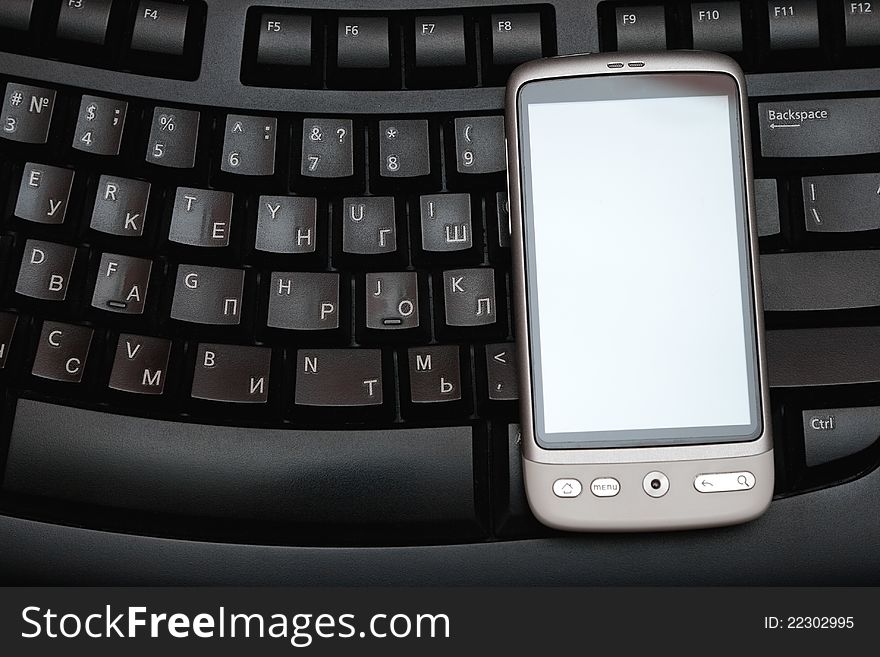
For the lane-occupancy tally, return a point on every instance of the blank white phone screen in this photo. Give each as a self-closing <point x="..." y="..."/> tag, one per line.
<point x="638" y="266"/>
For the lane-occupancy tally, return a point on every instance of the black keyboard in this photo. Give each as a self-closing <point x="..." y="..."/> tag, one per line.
<point x="254" y="259"/>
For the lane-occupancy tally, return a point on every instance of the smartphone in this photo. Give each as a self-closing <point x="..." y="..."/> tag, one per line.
<point x="644" y="396"/>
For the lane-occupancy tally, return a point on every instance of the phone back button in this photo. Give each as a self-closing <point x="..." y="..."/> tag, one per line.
<point x="723" y="482"/>
<point x="567" y="488"/>
<point x="605" y="487"/>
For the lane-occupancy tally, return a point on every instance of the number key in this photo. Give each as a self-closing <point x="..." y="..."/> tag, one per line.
<point x="174" y="135"/>
<point x="249" y="145"/>
<point x="479" y="145"/>
<point x="27" y="113"/>
<point x="404" y="149"/>
<point x="327" y="148"/>
<point x="99" y="126"/>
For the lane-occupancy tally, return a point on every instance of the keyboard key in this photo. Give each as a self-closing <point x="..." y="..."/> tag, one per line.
<point x="140" y="364"/>
<point x="819" y="128"/>
<point x="434" y="374"/>
<point x="99" y="126"/>
<point x="289" y="475"/>
<point x="45" y="270"/>
<point x="501" y="373"/>
<point x="27" y="113"/>
<point x="516" y="38"/>
<point x="174" y="136"/>
<point x="363" y="43"/>
<point x="793" y="24"/>
<point x="16" y="14"/>
<point x="479" y="145"/>
<point x="439" y="42"/>
<point x="44" y="194"/>
<point x="369" y="225"/>
<point x="392" y="300"/>
<point x="62" y="352"/>
<point x="516" y="516"/>
<point x="160" y="28"/>
<point x="208" y="295"/>
<point x="84" y="20"/>
<point x="848" y="355"/>
<point x="404" y="149"/>
<point x="767" y="204"/>
<point x="285" y="40"/>
<point x="249" y="145"/>
<point x="338" y="377"/>
<point x="287" y="224"/>
<point x="446" y="222"/>
<point x="862" y="22"/>
<point x="835" y="433"/>
<point x="231" y="373"/>
<point x="8" y="322"/>
<point x="717" y="26"/>
<point x="640" y="28"/>
<point x="327" y="150"/>
<point x="502" y="214"/>
<point x="201" y="217"/>
<point x="841" y="204"/>
<point x="821" y="280"/>
<point x="122" y="283"/>
<point x="120" y="206"/>
<point x="303" y="301"/>
<point x="469" y="297"/>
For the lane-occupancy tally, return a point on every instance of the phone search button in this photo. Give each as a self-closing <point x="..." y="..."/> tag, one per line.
<point x="723" y="482"/>
<point x="605" y="487"/>
<point x="567" y="488"/>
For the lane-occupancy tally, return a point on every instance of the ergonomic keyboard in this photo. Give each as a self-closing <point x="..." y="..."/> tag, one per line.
<point x="255" y="290"/>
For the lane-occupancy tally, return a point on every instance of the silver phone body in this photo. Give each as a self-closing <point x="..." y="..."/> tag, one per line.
<point x="735" y="478"/>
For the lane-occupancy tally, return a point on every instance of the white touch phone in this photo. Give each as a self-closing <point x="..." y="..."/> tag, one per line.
<point x="643" y="384"/>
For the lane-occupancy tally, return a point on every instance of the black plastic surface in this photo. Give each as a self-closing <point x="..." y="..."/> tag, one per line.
<point x="827" y="537"/>
<point x="280" y="475"/>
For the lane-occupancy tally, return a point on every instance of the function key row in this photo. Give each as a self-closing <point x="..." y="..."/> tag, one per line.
<point x="330" y="147"/>
<point x="392" y="50"/>
<point x="157" y="37"/>
<point x="763" y="34"/>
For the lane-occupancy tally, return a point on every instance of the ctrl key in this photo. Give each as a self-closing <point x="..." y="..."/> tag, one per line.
<point x="835" y="433"/>
<point x="62" y="352"/>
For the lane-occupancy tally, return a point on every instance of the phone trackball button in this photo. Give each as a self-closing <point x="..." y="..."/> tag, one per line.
<point x="567" y="488"/>
<point x="656" y="484"/>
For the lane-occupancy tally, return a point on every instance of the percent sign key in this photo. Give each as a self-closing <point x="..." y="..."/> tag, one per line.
<point x="173" y="138"/>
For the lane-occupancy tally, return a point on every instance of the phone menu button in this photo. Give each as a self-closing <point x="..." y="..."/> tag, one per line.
<point x="567" y="488"/>
<point x="605" y="487"/>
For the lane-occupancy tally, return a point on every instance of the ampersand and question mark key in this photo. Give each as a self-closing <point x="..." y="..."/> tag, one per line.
<point x="327" y="148"/>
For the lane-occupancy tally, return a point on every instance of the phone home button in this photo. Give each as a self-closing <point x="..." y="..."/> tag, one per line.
<point x="656" y="484"/>
<point x="605" y="487"/>
<point x="567" y="488"/>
